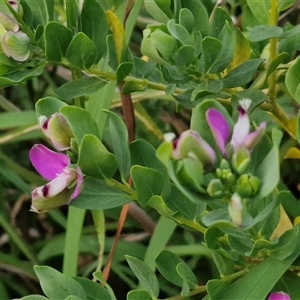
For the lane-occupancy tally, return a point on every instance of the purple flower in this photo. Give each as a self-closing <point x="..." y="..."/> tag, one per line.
<point x="191" y="144"/>
<point x="219" y="128"/>
<point x="240" y="136"/>
<point x="279" y="296"/>
<point x="65" y="180"/>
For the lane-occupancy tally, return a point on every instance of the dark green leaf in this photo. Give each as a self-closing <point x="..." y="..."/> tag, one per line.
<point x="93" y="290"/>
<point x="145" y="275"/>
<point x="292" y="80"/>
<point x="138" y="295"/>
<point x="79" y="87"/>
<point x="97" y="194"/>
<point x="94" y="25"/>
<point x="264" y="32"/>
<point x="20" y="76"/>
<point x="57" y="40"/>
<point x="55" y="285"/>
<point x="82" y="52"/>
<point x="123" y="70"/>
<point x="179" y="33"/>
<point x="119" y="137"/>
<point x="48" y="106"/>
<point x="94" y="159"/>
<point x="242" y="74"/>
<point x="86" y="125"/>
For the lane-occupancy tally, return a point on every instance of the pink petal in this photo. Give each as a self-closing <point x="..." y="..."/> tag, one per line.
<point x="279" y="296"/>
<point x="219" y="128"/>
<point x="47" y="162"/>
<point x="254" y="137"/>
<point x="79" y="183"/>
<point x="241" y="128"/>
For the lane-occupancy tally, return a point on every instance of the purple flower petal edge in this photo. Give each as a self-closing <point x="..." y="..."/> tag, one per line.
<point x="279" y="296"/>
<point x="47" y="162"/>
<point x="219" y="128"/>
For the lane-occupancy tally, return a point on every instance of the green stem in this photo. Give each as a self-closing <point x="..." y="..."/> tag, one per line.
<point x="125" y="188"/>
<point x="273" y="52"/>
<point x="143" y="82"/>
<point x="17" y="240"/>
<point x="73" y="234"/>
<point x="196" y="291"/>
<point x="235" y="276"/>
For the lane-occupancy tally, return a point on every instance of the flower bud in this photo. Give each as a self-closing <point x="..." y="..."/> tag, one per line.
<point x="248" y="185"/>
<point x="215" y="188"/>
<point x="235" y="209"/>
<point x="7" y="24"/>
<point x="240" y="159"/>
<point x="57" y="129"/>
<point x="190" y="144"/>
<point x="16" y="45"/>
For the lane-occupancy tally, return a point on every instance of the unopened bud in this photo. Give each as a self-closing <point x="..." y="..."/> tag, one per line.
<point x="240" y="159"/>
<point x="57" y="129"/>
<point x="235" y="209"/>
<point x="215" y="188"/>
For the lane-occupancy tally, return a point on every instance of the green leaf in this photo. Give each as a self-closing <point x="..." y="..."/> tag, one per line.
<point x="34" y="297"/>
<point x="263" y="277"/>
<point x="123" y="70"/>
<point x="39" y="11"/>
<point x="292" y="81"/>
<point x="260" y="10"/>
<point x="242" y="74"/>
<point x="166" y="263"/>
<point x="94" y="159"/>
<point x="200" y="13"/>
<point x="276" y="62"/>
<point x="20" y="76"/>
<point x="72" y="297"/>
<point x="148" y="182"/>
<point x="184" y="57"/>
<point x="155" y="11"/>
<point x="290" y="284"/>
<point x="79" y="87"/>
<point x="187" y="275"/>
<point x="48" y="106"/>
<point x="186" y="19"/>
<point x="119" y="137"/>
<point x="268" y="170"/>
<point x="219" y="18"/>
<point x="138" y="295"/>
<point x="86" y="125"/>
<point x="82" y="52"/>
<point x="97" y="194"/>
<point x="145" y="275"/>
<point x="227" y="39"/>
<point x="94" y="24"/>
<point x="93" y="290"/>
<point x="144" y="154"/>
<point x="55" y="285"/>
<point x="264" y="32"/>
<point x="57" y="40"/>
<point x="179" y="33"/>
<point x="211" y="49"/>
<point x="207" y="88"/>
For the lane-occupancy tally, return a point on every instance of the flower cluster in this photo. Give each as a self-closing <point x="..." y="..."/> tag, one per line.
<point x="65" y="179"/>
<point x="14" y="43"/>
<point x="231" y="179"/>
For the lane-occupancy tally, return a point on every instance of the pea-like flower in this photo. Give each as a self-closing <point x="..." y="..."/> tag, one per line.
<point x="241" y="136"/>
<point x="191" y="144"/>
<point x="279" y="296"/>
<point x="65" y="180"/>
<point x="57" y="129"/>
